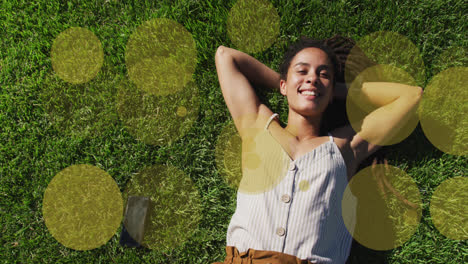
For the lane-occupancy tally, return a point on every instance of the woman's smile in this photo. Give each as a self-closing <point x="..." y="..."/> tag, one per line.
<point x="309" y="93"/>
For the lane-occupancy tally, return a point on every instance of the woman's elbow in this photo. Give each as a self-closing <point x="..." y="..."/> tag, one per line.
<point x="413" y="93"/>
<point x="418" y="92"/>
<point x="221" y="51"/>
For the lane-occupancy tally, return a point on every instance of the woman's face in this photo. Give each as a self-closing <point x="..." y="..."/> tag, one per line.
<point x="309" y="82"/>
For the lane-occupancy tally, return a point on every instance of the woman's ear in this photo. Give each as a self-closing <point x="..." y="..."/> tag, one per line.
<point x="283" y="87"/>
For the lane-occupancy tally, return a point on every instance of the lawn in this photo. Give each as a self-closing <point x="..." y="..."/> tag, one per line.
<point x="49" y="123"/>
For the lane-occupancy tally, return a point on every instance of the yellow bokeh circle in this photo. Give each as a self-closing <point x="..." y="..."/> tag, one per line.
<point x="77" y="55"/>
<point x="359" y="106"/>
<point x="161" y="57"/>
<point x="386" y="217"/>
<point x="449" y="208"/>
<point x="181" y="111"/>
<point x="82" y="207"/>
<point x="304" y="185"/>
<point x="443" y="111"/>
<point x="253" y="159"/>
<point x="85" y="110"/>
<point x="228" y="155"/>
<point x="253" y="25"/>
<point x="264" y="161"/>
<point x="385" y="47"/>
<point x="174" y="209"/>
<point x="157" y="120"/>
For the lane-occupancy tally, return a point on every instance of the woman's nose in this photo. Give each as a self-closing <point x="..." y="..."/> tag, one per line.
<point x="311" y="78"/>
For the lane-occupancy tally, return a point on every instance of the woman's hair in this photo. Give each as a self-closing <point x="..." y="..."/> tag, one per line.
<point x="335" y="114"/>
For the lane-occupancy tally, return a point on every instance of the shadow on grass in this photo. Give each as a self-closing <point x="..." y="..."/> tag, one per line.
<point x="412" y="152"/>
<point x="361" y="254"/>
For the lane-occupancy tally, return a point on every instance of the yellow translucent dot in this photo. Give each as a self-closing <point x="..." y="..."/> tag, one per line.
<point x="253" y="25"/>
<point x="84" y="110"/>
<point x="228" y="155"/>
<point x="385" y="47"/>
<point x="174" y="210"/>
<point x="248" y="143"/>
<point x="82" y="207"/>
<point x="264" y="161"/>
<point x="384" y="219"/>
<point x="443" y="111"/>
<point x="449" y="208"/>
<point x="77" y="55"/>
<point x="161" y="57"/>
<point x="259" y="157"/>
<point x="156" y="120"/>
<point x="251" y="160"/>
<point x="358" y="106"/>
<point x="304" y="185"/>
<point x="181" y="111"/>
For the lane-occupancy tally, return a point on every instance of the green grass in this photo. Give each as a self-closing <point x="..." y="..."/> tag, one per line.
<point x="34" y="147"/>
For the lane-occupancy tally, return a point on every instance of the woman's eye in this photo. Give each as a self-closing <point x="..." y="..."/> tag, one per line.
<point x="324" y="75"/>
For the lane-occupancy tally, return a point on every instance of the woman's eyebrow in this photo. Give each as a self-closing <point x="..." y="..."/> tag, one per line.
<point x="301" y="64"/>
<point x="323" y="67"/>
<point x="320" y="67"/>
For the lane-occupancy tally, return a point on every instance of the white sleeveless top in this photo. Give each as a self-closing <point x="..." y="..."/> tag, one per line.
<point x="300" y="214"/>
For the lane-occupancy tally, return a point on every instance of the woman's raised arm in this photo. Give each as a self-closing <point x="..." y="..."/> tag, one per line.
<point x="237" y="72"/>
<point x="397" y="102"/>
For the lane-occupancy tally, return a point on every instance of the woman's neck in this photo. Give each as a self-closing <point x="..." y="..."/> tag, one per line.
<point x="303" y="128"/>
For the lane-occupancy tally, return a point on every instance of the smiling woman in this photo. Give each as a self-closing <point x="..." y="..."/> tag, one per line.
<point x="289" y="199"/>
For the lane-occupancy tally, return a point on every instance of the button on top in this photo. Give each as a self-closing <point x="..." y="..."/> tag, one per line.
<point x="292" y="166"/>
<point x="285" y="198"/>
<point x="280" y="231"/>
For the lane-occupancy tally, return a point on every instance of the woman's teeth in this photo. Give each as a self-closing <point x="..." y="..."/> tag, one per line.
<point x="309" y="93"/>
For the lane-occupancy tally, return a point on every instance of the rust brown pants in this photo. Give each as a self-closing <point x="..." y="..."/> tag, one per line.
<point x="253" y="256"/>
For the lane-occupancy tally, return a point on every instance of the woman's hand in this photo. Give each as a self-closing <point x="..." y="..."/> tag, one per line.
<point x="383" y="184"/>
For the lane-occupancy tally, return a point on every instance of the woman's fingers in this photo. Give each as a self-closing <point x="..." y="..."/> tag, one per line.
<point x="393" y="190"/>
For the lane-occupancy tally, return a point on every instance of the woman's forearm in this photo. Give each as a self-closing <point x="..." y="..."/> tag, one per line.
<point x="383" y="93"/>
<point x="256" y="72"/>
<point x="391" y="107"/>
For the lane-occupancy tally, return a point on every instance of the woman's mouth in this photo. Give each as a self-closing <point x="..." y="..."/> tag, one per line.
<point x="308" y="94"/>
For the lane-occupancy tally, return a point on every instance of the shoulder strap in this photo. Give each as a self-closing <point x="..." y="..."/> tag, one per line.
<point x="331" y="137"/>
<point x="269" y="120"/>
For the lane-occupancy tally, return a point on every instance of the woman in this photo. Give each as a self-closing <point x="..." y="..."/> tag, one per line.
<point x="298" y="218"/>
